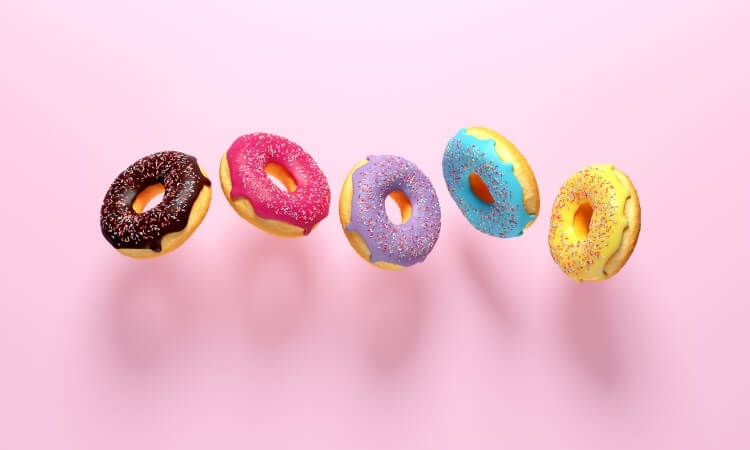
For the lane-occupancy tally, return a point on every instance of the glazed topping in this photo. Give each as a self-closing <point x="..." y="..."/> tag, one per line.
<point x="505" y="216"/>
<point x="305" y="206"/>
<point x="402" y="244"/>
<point x="582" y="251"/>
<point x="182" y="180"/>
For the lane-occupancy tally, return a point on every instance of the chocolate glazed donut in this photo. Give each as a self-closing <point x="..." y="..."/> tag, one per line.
<point x="124" y="223"/>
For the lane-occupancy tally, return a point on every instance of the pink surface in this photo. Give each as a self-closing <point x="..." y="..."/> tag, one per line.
<point x="243" y="340"/>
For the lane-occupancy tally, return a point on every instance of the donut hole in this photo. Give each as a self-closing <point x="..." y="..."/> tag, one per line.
<point x="479" y="188"/>
<point x="281" y="177"/>
<point x="148" y="198"/>
<point x="582" y="220"/>
<point x="397" y="207"/>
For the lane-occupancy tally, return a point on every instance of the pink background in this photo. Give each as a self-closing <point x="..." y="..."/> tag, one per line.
<point x="243" y="340"/>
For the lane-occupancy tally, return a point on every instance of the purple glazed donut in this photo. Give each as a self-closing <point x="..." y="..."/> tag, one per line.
<point x="364" y="219"/>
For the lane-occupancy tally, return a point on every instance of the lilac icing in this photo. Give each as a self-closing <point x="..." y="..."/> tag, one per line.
<point x="404" y="244"/>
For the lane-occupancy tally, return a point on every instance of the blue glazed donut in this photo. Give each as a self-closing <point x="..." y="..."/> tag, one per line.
<point x="491" y="182"/>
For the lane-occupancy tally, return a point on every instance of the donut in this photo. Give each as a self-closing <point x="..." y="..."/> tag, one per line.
<point x="161" y="229"/>
<point x="596" y="219"/>
<point x="365" y="222"/>
<point x="491" y="182"/>
<point x="244" y="177"/>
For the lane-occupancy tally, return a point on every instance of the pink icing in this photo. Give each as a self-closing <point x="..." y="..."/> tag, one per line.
<point x="248" y="157"/>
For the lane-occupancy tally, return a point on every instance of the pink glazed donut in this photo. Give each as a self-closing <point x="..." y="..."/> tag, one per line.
<point x="244" y="179"/>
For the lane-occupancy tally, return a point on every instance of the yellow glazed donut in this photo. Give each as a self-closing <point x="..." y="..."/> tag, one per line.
<point x="147" y="234"/>
<point x="595" y="223"/>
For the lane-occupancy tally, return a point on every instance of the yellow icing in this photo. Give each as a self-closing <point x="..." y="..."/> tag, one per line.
<point x="588" y="221"/>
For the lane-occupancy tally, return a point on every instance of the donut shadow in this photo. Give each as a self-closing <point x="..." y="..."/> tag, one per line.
<point x="392" y="308"/>
<point x="147" y="313"/>
<point x="271" y="286"/>
<point x="589" y="316"/>
<point x="493" y="299"/>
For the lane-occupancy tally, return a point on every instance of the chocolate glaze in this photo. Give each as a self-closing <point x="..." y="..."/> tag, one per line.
<point x="182" y="180"/>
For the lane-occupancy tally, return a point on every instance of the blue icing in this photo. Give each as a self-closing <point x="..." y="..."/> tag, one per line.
<point x="506" y="216"/>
